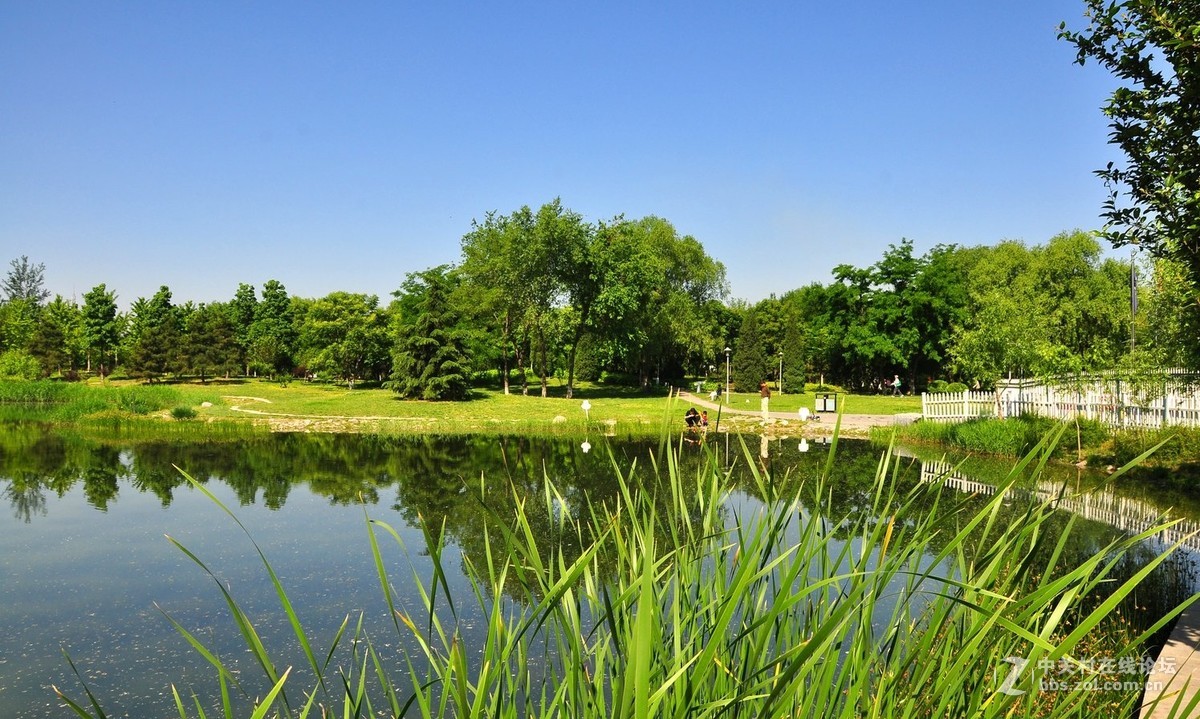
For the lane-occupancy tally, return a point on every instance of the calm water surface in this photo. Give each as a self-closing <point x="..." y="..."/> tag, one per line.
<point x="85" y="566"/>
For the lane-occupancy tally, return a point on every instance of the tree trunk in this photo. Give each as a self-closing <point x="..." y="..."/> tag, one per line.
<point x="571" y="362"/>
<point x="542" y="360"/>
<point x="521" y="364"/>
<point x="504" y="340"/>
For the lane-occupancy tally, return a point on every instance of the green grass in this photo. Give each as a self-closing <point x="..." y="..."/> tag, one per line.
<point x="327" y="407"/>
<point x="660" y="605"/>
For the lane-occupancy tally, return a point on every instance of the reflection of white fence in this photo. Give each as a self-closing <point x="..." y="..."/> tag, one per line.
<point x="1128" y="515"/>
<point x="957" y="406"/>
<point x="1174" y="401"/>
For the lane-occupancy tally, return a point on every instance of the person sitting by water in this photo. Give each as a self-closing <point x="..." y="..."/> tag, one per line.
<point x="704" y="418"/>
<point x="691" y="417"/>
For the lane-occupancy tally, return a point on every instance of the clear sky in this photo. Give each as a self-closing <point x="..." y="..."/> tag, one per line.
<point x="338" y="146"/>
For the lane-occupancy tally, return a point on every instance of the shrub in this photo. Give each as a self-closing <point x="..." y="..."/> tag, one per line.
<point x="183" y="412"/>
<point x="956" y="387"/>
<point x="19" y="364"/>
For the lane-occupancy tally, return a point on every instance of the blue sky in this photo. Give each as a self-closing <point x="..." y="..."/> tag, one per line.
<point x="340" y="146"/>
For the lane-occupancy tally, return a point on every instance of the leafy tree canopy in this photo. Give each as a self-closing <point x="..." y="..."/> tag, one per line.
<point x="1153" y="50"/>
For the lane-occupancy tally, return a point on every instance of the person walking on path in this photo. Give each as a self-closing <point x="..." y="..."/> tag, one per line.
<point x="896" y="386"/>
<point x="765" y="393"/>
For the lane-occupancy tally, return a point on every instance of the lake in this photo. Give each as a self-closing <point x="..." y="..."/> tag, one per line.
<point x="87" y="568"/>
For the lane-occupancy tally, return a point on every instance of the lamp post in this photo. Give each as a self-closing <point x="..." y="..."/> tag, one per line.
<point x="727" y="351"/>
<point x="780" y="371"/>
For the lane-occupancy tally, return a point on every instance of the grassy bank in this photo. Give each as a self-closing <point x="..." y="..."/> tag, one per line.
<point x="663" y="604"/>
<point x="305" y="406"/>
<point x="1086" y="440"/>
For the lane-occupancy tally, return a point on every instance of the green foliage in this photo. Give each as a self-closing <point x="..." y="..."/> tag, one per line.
<point x="69" y="401"/>
<point x="36" y="392"/>
<point x="1154" y="194"/>
<point x="750" y="364"/>
<point x="345" y="336"/>
<point x="24" y="282"/>
<point x="1182" y="445"/>
<point x="1043" y="311"/>
<point x="183" y="412"/>
<point x="100" y="328"/>
<point x="430" y="359"/>
<point x="1010" y="437"/>
<point x="588" y="359"/>
<point x="19" y="364"/>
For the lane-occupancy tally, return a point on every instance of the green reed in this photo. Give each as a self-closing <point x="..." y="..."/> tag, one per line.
<point x="669" y="606"/>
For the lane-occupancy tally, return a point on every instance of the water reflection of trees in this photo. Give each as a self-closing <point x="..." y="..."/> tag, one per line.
<point x="462" y="488"/>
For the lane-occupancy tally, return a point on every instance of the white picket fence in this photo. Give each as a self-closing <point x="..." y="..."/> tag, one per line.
<point x="957" y="406"/>
<point x="1115" y="409"/>
<point x="1114" y="403"/>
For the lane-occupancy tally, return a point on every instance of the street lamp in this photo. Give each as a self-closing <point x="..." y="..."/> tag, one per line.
<point x="727" y="351"/>
<point x="780" y="371"/>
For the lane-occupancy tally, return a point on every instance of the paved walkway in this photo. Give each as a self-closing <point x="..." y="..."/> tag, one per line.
<point x="1176" y="675"/>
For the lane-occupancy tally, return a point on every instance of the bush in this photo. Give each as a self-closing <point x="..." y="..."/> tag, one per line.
<point x="994" y="436"/>
<point x="956" y="387"/>
<point x="938" y="386"/>
<point x="19" y="364"/>
<point x="183" y="412"/>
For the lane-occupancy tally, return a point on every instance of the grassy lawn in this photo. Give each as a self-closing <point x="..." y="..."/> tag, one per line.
<point x="632" y="410"/>
<point x="303" y="405"/>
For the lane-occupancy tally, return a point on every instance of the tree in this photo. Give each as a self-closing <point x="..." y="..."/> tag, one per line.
<point x="100" y="328"/>
<point x="154" y="336"/>
<point x="24" y="281"/>
<point x="272" y="336"/>
<point x="345" y="335"/>
<point x="520" y="265"/>
<point x="242" y="311"/>
<point x="209" y="346"/>
<point x="750" y="363"/>
<point x="1154" y="197"/>
<point x="430" y="360"/>
<point x="795" y="357"/>
<point x="56" y="339"/>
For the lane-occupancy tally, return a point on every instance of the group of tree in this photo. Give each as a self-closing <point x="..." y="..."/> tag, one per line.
<point x="968" y="314"/>
<point x="536" y="294"/>
<point x="542" y="294"/>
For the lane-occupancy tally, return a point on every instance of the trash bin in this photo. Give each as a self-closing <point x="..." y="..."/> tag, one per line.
<point x="826" y="402"/>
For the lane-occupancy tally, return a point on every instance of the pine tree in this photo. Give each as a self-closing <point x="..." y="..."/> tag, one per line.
<point x="430" y="361"/>
<point x="750" y="366"/>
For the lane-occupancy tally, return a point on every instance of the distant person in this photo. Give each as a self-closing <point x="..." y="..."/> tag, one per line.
<point x="764" y="392"/>
<point x="691" y="417"/>
<point x="896" y="386"/>
<point x="704" y="418"/>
